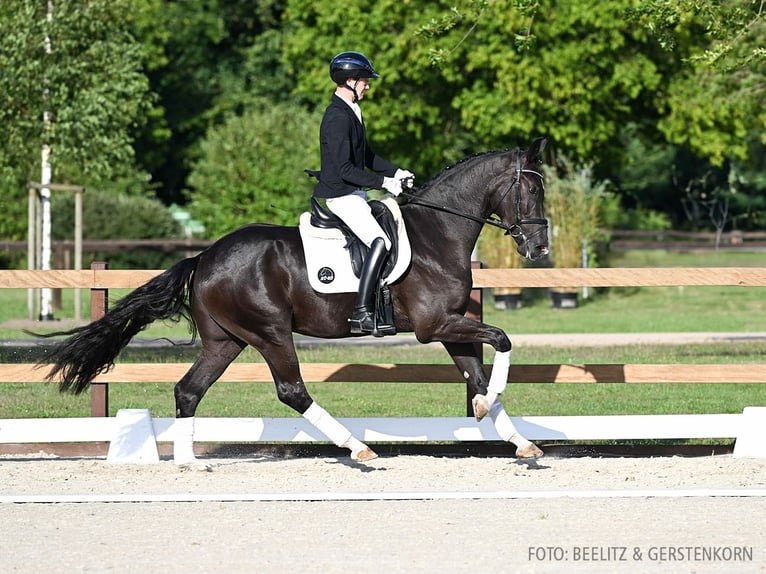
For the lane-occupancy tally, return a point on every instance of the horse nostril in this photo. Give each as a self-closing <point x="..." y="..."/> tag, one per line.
<point x="543" y="250"/>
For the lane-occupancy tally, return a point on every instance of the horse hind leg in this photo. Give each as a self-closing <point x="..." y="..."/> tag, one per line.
<point x="189" y="391"/>
<point x="291" y="390"/>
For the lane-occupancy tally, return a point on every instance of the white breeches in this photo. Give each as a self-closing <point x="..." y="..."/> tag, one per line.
<point x="355" y="212"/>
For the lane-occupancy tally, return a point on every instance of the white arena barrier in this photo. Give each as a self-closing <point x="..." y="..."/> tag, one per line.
<point x="133" y="434"/>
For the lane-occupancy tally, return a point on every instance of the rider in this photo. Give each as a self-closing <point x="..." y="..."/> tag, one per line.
<point x="345" y="153"/>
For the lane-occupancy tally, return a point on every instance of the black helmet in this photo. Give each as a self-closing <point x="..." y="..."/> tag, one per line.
<point x="351" y="65"/>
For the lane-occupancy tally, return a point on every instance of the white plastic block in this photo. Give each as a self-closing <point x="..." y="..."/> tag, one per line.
<point x="134" y="441"/>
<point x="751" y="440"/>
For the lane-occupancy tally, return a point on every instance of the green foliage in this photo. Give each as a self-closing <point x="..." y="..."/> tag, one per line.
<point x="251" y="169"/>
<point x="640" y="218"/>
<point x="90" y="82"/>
<point x="732" y="29"/>
<point x="206" y="59"/>
<point x="111" y="216"/>
<point x="584" y="75"/>
<point x="13" y="198"/>
<point x="152" y="78"/>
<point x="588" y="75"/>
<point x="469" y="16"/>
<point x="574" y="204"/>
<point x="185" y="50"/>
<point x="409" y="111"/>
<point x="722" y="46"/>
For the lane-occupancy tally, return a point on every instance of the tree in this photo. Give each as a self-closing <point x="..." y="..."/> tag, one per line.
<point x="722" y="47"/>
<point x="714" y="104"/>
<point x="205" y="59"/>
<point x="96" y="93"/>
<point x="251" y="169"/>
<point x="506" y="72"/>
<point x="580" y="75"/>
<point x="72" y="88"/>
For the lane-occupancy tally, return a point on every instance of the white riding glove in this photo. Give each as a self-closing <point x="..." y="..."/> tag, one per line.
<point x="392" y="185"/>
<point x="406" y="177"/>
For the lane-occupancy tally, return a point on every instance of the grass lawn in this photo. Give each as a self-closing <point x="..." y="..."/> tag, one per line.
<point x="419" y="399"/>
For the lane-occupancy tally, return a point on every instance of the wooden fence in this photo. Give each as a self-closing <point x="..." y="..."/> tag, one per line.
<point x="686" y="241"/>
<point x="99" y="280"/>
<point x="619" y="240"/>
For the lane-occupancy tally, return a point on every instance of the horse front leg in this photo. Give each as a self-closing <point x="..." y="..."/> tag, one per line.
<point x="485" y="402"/>
<point x="462" y="337"/>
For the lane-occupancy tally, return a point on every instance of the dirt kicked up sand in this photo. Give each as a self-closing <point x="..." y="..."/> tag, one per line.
<point x="396" y="514"/>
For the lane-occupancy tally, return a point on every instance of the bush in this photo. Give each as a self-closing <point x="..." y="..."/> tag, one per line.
<point x="251" y="169"/>
<point x="574" y="203"/>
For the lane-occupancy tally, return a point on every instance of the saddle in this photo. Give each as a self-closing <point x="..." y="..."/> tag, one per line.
<point x="324" y="219"/>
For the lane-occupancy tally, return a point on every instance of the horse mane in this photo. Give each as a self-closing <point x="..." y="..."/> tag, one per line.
<point x="461" y="164"/>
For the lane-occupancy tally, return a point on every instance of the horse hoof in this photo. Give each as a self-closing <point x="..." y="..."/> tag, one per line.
<point x="529" y="451"/>
<point x="480" y="407"/>
<point x="364" y="455"/>
<point x="195" y="466"/>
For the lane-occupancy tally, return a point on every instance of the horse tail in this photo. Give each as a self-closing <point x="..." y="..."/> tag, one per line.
<point x="92" y="349"/>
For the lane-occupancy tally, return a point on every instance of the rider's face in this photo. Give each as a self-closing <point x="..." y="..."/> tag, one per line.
<point x="361" y="85"/>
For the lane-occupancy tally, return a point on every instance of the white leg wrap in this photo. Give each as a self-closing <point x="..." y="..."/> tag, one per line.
<point x="499" y="377"/>
<point x="505" y="427"/>
<point x="183" y="441"/>
<point x="329" y="426"/>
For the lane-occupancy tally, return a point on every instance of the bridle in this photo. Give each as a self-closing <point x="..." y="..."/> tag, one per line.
<point x="515" y="230"/>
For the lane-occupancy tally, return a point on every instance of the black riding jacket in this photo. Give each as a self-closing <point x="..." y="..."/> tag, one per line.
<point x="345" y="153"/>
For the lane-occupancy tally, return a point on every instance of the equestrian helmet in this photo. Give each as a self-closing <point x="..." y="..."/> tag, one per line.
<point x="351" y="65"/>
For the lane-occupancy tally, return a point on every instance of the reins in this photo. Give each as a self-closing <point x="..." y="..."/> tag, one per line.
<point x="514" y="230"/>
<point x="444" y="208"/>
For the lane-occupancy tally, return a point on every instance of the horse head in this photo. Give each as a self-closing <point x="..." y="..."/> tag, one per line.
<point x="520" y="204"/>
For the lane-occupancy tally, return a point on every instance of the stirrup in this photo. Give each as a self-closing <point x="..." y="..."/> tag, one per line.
<point x="365" y="323"/>
<point x="382" y="328"/>
<point x="362" y="323"/>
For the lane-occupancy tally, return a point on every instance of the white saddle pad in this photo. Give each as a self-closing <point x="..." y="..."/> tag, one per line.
<point x="328" y="262"/>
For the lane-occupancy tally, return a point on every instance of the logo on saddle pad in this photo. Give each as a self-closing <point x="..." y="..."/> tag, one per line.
<point x="329" y="262"/>
<point x="326" y="275"/>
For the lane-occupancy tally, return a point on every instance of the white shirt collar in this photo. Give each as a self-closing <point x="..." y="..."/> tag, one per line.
<point x="356" y="108"/>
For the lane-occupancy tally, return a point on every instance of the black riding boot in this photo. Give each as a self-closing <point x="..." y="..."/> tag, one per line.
<point x="363" y="319"/>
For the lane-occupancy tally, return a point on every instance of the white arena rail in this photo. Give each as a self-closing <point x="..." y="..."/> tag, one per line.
<point x="133" y="434"/>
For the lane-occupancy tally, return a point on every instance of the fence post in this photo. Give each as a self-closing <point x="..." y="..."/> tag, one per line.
<point x="99" y="392"/>
<point x="474" y="311"/>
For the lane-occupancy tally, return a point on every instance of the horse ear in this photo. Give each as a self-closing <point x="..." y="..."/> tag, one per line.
<point x="535" y="151"/>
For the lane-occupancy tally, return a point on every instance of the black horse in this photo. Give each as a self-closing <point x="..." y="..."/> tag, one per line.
<point x="251" y="288"/>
